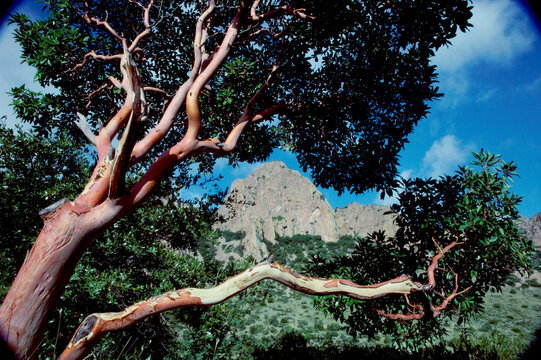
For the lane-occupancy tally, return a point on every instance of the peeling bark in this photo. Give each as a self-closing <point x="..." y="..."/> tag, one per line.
<point x="69" y="226"/>
<point x="42" y="277"/>
<point x="96" y="325"/>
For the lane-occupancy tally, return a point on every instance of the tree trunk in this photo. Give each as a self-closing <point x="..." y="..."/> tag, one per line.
<point x="66" y="234"/>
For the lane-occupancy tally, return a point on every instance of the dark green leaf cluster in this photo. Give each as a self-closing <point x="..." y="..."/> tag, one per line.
<point x="295" y="251"/>
<point x="357" y="78"/>
<point x="34" y="173"/>
<point x="474" y="208"/>
<point x="364" y="85"/>
<point x="142" y="255"/>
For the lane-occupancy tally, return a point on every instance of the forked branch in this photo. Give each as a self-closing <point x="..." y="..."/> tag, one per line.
<point x="430" y="310"/>
<point x="284" y="9"/>
<point x="96" y="325"/>
<point x="134" y="89"/>
<point x="179" y="99"/>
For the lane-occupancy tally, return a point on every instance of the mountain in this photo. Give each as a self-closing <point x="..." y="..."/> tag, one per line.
<point x="276" y="201"/>
<point x="533" y="228"/>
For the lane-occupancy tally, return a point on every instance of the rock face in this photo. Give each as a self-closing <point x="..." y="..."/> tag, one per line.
<point x="533" y="229"/>
<point x="276" y="201"/>
<point x="359" y="220"/>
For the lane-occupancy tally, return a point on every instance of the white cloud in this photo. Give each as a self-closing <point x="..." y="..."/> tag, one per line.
<point x="244" y="169"/>
<point x="486" y="95"/>
<point x="220" y="165"/>
<point x="532" y="85"/>
<point x="501" y="31"/>
<point x="444" y="156"/>
<point x="456" y="87"/>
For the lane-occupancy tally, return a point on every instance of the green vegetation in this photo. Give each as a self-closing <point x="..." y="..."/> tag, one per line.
<point x="469" y="220"/>
<point x="345" y="119"/>
<point x="295" y="251"/>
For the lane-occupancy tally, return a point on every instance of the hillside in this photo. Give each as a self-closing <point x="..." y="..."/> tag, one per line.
<point x="275" y="201"/>
<point x="276" y="210"/>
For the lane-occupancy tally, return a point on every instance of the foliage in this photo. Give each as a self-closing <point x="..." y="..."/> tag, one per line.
<point x="34" y="173"/>
<point x="357" y="77"/>
<point x="295" y="251"/>
<point x="356" y="80"/>
<point x="294" y="345"/>
<point x="143" y="255"/>
<point x="475" y="208"/>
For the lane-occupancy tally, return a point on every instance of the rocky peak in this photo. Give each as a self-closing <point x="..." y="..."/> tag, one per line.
<point x="277" y="201"/>
<point x="359" y="220"/>
<point x="532" y="227"/>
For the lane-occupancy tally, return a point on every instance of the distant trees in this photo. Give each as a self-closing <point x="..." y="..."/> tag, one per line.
<point x="160" y="89"/>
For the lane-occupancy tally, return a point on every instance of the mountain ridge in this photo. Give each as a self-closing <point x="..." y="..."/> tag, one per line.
<point x="276" y="201"/>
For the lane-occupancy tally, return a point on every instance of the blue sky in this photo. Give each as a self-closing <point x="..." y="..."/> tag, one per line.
<point x="491" y="78"/>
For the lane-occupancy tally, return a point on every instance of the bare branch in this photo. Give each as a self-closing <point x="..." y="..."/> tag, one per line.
<point x="101" y="181"/>
<point x="93" y="93"/>
<point x="156" y="90"/>
<point x="115" y="82"/>
<point x="432" y="310"/>
<point x="192" y="100"/>
<point x="94" y="55"/>
<point x="223" y="148"/>
<point x="91" y="19"/>
<point x="284" y="9"/>
<point x="215" y="146"/>
<point x="96" y="325"/>
<point x="146" y="22"/>
<point x="83" y="125"/>
<point x="166" y="122"/>
<point x="135" y="90"/>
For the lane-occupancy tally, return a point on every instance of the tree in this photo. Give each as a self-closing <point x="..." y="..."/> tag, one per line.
<point x="154" y="87"/>
<point x="459" y="231"/>
<point x="34" y="168"/>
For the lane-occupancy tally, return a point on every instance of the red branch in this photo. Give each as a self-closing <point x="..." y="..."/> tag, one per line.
<point x="166" y="122"/>
<point x="96" y="56"/>
<point x="192" y="100"/>
<point x="91" y="19"/>
<point x="97" y="324"/>
<point x="146" y="22"/>
<point x="430" y="286"/>
<point x="284" y="9"/>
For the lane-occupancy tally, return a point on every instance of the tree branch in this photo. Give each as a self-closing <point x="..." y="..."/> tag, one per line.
<point x="192" y="100"/>
<point x="146" y="22"/>
<point x="215" y="146"/>
<point x="134" y="89"/>
<point x="284" y="9"/>
<point x="432" y="310"/>
<point x="96" y="325"/>
<point x="83" y="125"/>
<point x="90" y="19"/>
<point x="166" y="122"/>
<point x="96" y="56"/>
<point x="101" y="182"/>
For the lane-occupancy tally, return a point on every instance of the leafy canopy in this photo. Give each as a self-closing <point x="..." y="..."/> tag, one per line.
<point x="356" y="77"/>
<point x="476" y="211"/>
